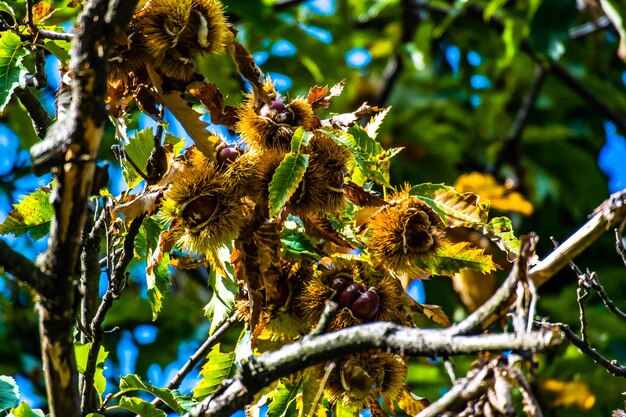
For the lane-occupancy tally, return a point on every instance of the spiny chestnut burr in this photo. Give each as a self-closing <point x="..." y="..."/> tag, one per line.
<point x="404" y="235"/>
<point x="271" y="127"/>
<point x="205" y="212"/>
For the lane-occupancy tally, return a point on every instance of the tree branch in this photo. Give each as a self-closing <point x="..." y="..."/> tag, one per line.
<point x="608" y="214"/>
<point x="113" y="292"/>
<point x="263" y="369"/>
<point x="39" y="115"/>
<point x="611" y="365"/>
<point x="510" y="151"/>
<point x="95" y="29"/>
<point x="466" y="390"/>
<point x="478" y="13"/>
<point x="23" y="269"/>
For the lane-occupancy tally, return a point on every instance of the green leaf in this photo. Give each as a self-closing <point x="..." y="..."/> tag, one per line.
<point x="500" y="231"/>
<point x="141" y="407"/>
<point x="9" y="392"/>
<point x="94" y="415"/>
<point x="138" y="149"/>
<point x="450" y="258"/>
<point x="11" y="69"/>
<point x="343" y="409"/>
<point x="60" y="49"/>
<point x="286" y="179"/>
<point x="4" y="7"/>
<point x="547" y="34"/>
<point x="369" y="155"/>
<point x="300" y="138"/>
<point x="134" y="383"/>
<point x="455" y="209"/>
<point x="82" y="352"/>
<point x="24" y="410"/>
<point x="223" y="300"/>
<point x="33" y="214"/>
<point x="297" y="245"/>
<point x="157" y="281"/>
<point x="178" y="144"/>
<point x="284" y="399"/>
<point x="218" y="367"/>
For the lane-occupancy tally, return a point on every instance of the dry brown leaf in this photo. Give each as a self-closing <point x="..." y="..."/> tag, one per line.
<point x="165" y="245"/>
<point x="362" y="197"/>
<point x="249" y="70"/>
<point x="322" y="229"/>
<point x="211" y="98"/>
<point x="187" y="262"/>
<point x="345" y="120"/>
<point x="190" y="120"/>
<point x="145" y="203"/>
<point x="321" y="98"/>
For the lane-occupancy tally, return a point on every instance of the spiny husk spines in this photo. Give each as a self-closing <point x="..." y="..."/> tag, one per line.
<point x="177" y="31"/>
<point x="404" y="235"/>
<point x="360" y="378"/>
<point x="204" y="211"/>
<point x="272" y="126"/>
<point x="128" y="54"/>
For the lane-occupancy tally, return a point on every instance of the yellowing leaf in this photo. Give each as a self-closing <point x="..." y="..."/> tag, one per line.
<point x="32" y="214"/>
<point x="450" y="258"/>
<point x="218" y="366"/>
<point x="410" y="403"/>
<point x="473" y="287"/>
<point x="42" y="11"/>
<point x="569" y="393"/>
<point x="500" y="197"/>
<point x="455" y="209"/>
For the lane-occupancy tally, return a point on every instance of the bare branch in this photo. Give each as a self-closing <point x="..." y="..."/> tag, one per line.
<point x="611" y="365"/>
<point x="261" y="370"/>
<point x="203" y="351"/>
<point x="464" y="391"/>
<point x="39" y="115"/>
<point x="610" y="213"/>
<point x="113" y="292"/>
<point x="23" y="269"/>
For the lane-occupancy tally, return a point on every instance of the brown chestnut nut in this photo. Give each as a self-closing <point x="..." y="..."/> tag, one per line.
<point x="227" y="155"/>
<point x="277" y="107"/>
<point x="366" y="305"/>
<point x="339" y="284"/>
<point x="199" y="210"/>
<point x="348" y="295"/>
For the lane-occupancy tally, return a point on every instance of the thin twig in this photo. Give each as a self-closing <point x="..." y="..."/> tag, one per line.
<point x="203" y="351"/>
<point x="619" y="244"/>
<point x="531" y="405"/>
<point x="510" y="150"/>
<point x="610" y="365"/>
<point x="113" y="292"/>
<point x="502" y="297"/>
<point x="478" y="13"/>
<point x="588" y="28"/>
<point x="330" y="309"/>
<point x="599" y="288"/>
